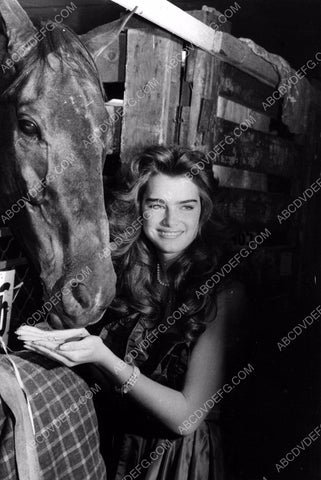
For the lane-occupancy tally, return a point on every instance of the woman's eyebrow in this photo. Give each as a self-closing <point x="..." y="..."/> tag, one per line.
<point x="192" y="200"/>
<point x="159" y="200"/>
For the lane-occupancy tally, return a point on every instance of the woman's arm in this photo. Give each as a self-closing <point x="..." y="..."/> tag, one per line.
<point x="203" y="379"/>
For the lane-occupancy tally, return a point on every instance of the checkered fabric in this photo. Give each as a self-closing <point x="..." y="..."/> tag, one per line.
<point x="65" y="421"/>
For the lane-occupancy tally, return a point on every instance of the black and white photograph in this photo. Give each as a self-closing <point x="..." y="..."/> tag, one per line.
<point x="160" y="240"/>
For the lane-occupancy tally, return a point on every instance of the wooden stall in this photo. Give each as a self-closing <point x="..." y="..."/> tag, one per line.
<point x="163" y="89"/>
<point x="169" y="91"/>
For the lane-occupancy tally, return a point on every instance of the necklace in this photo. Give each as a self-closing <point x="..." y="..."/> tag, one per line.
<point x="159" y="279"/>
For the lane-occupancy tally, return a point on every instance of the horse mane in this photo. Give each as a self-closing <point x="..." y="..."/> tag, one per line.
<point x="67" y="47"/>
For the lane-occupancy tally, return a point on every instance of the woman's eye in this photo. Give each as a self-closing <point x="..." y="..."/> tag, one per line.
<point x="28" y="127"/>
<point x="156" y="206"/>
<point x="188" y="207"/>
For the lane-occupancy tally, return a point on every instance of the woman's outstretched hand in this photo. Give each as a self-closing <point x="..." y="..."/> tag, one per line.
<point x="89" y="350"/>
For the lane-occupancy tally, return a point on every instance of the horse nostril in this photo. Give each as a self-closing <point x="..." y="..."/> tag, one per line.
<point x="82" y="295"/>
<point x="76" y="300"/>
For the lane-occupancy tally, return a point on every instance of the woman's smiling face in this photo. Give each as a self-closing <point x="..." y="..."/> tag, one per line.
<point x="171" y="209"/>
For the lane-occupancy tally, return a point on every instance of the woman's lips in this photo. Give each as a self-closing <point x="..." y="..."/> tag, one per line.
<point x="173" y="234"/>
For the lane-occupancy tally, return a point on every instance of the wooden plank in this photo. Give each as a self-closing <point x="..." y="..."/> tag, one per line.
<point x="249" y="180"/>
<point x="221" y="44"/>
<point x="205" y="77"/>
<point x="210" y="16"/>
<point x="190" y="65"/>
<point x="256" y="151"/>
<point x="152" y="90"/>
<point x="16" y="262"/>
<point x="184" y="125"/>
<point x="174" y="92"/>
<point x="204" y="80"/>
<point x="236" y="53"/>
<point x="173" y="19"/>
<point x="236" y="178"/>
<point x="246" y="90"/>
<point x="90" y="13"/>
<point x="250" y="208"/>
<point x="234" y="112"/>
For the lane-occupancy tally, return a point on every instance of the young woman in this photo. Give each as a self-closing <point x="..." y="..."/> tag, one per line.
<point x="164" y="342"/>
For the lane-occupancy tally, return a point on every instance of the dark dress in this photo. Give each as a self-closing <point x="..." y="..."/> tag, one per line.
<point x="139" y="446"/>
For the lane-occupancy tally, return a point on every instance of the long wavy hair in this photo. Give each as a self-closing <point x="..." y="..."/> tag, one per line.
<point x="135" y="257"/>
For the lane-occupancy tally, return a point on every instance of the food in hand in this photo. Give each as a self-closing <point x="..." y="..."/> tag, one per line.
<point x="33" y="334"/>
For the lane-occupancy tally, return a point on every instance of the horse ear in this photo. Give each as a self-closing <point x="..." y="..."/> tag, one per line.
<point x="98" y="39"/>
<point x="18" y="27"/>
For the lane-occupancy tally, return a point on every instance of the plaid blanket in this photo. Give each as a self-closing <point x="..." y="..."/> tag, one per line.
<point x="66" y="440"/>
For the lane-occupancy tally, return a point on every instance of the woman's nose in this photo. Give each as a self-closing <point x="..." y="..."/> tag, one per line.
<point x="170" y="217"/>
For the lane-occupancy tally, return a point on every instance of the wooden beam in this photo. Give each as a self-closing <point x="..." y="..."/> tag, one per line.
<point x="258" y="152"/>
<point x="246" y="90"/>
<point x="152" y="90"/>
<point x="220" y="44"/>
<point x="250" y="180"/>
<point x="237" y="53"/>
<point x="234" y="112"/>
<point x="171" y="18"/>
<point x="250" y="208"/>
<point x="202" y="82"/>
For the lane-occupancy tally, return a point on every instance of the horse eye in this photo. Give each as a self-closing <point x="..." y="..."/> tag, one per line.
<point x="28" y="127"/>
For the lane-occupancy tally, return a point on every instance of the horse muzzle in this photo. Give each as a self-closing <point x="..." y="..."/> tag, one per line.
<point x="80" y="304"/>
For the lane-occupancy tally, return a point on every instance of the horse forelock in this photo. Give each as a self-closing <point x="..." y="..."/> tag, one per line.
<point x="72" y="54"/>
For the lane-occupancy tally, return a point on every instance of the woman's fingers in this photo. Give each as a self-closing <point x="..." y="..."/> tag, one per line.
<point x="44" y="343"/>
<point x="33" y="333"/>
<point x="59" y="345"/>
<point x="87" y="350"/>
<point x="50" y="353"/>
<point x="74" y="356"/>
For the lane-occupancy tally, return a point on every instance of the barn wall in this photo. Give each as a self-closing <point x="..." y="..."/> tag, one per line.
<point x="289" y="28"/>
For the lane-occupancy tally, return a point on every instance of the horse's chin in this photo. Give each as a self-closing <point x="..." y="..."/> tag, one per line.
<point x="56" y="323"/>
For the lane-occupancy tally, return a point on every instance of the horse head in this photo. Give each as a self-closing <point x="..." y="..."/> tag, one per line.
<point x="52" y="155"/>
